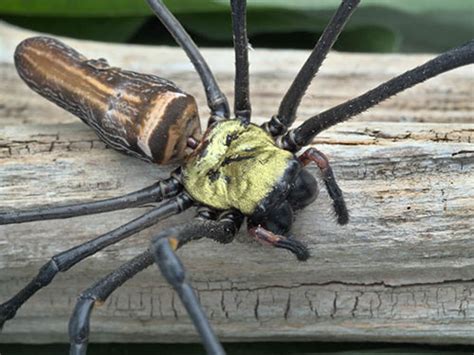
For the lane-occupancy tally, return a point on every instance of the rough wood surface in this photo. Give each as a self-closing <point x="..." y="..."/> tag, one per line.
<point x="401" y="271"/>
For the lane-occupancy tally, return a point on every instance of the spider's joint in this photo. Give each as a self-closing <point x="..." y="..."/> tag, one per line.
<point x="184" y="201"/>
<point x="275" y="127"/>
<point x="288" y="142"/>
<point x="244" y="116"/>
<point x="216" y="118"/>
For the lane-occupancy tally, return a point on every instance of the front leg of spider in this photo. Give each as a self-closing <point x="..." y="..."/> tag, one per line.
<point x="266" y="237"/>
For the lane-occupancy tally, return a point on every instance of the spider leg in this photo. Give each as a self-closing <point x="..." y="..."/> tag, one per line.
<point x="242" y="108"/>
<point x="290" y="102"/>
<point x="278" y="241"/>
<point x="163" y="247"/>
<point x="318" y="157"/>
<point x="154" y="193"/>
<point x="162" y="251"/>
<point x="96" y="295"/>
<point x="216" y="100"/>
<point x="304" y="134"/>
<point x="64" y="261"/>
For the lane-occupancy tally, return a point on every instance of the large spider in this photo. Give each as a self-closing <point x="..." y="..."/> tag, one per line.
<point x="236" y="170"/>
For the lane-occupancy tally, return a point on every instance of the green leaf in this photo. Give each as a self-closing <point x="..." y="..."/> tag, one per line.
<point x="101" y="8"/>
<point x="101" y="29"/>
<point x="377" y="25"/>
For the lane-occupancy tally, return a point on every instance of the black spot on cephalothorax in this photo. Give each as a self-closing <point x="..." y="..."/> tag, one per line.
<point x="227" y="179"/>
<point x="213" y="175"/>
<point x="230" y="137"/>
<point x="236" y="158"/>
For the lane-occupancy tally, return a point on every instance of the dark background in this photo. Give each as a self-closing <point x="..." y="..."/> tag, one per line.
<point x="242" y="349"/>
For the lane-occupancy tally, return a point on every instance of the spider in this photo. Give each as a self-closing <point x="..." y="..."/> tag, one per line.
<point x="232" y="172"/>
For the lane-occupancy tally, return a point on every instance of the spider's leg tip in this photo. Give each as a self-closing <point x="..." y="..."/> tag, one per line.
<point x="343" y="219"/>
<point x="295" y="246"/>
<point x="7" y="312"/>
<point x="340" y="209"/>
<point x="303" y="255"/>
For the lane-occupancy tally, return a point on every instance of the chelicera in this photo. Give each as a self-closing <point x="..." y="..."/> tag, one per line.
<point x="233" y="171"/>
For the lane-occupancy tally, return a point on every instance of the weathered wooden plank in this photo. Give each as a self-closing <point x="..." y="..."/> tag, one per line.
<point x="447" y="98"/>
<point x="400" y="271"/>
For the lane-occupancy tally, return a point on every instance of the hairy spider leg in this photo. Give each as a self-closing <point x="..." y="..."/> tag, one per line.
<point x="266" y="237"/>
<point x="65" y="260"/>
<point x="318" y="157"/>
<point x="154" y="193"/>
<point x="280" y="123"/>
<point x="242" y="107"/>
<point x="304" y="134"/>
<point x="216" y="99"/>
<point x="162" y="252"/>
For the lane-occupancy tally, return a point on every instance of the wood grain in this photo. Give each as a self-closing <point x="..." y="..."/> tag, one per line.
<point x="401" y="271"/>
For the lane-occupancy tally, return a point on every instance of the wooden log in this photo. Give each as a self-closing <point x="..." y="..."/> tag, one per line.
<point x="400" y="271"/>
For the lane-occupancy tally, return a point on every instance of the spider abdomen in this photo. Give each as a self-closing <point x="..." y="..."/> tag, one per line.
<point x="238" y="166"/>
<point x="139" y="114"/>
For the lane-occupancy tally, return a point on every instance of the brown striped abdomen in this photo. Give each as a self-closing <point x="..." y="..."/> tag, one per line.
<point x="142" y="115"/>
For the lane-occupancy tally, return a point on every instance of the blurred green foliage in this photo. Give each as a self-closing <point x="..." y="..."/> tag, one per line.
<point x="377" y="26"/>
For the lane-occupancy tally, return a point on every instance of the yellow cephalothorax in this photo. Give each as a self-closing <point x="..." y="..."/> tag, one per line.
<point x="236" y="165"/>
